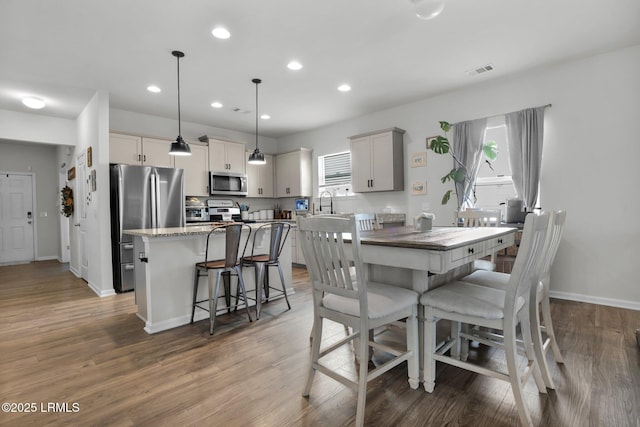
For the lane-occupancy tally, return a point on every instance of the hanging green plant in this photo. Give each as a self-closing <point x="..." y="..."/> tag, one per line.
<point x="67" y="201"/>
<point x="440" y="145"/>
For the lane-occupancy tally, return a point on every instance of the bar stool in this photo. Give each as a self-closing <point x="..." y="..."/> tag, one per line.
<point x="228" y="266"/>
<point x="262" y="262"/>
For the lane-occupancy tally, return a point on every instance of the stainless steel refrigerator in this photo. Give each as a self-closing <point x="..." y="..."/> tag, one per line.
<point x="141" y="197"/>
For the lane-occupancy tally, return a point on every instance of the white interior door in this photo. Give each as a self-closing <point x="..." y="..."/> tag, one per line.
<point x="16" y="219"/>
<point x="81" y="203"/>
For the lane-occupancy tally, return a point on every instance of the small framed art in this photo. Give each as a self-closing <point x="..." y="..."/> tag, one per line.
<point x="419" y="188"/>
<point x="418" y="159"/>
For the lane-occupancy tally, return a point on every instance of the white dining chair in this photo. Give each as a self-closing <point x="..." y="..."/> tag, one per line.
<point x="366" y="222"/>
<point x="480" y="218"/>
<point x="463" y="302"/>
<point x="359" y="305"/>
<point x="540" y="301"/>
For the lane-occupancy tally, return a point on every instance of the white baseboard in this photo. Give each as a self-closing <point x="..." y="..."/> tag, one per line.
<point x="47" y="258"/>
<point x="101" y="292"/>
<point x="74" y="271"/>
<point x="631" y="305"/>
<point x="152" y="328"/>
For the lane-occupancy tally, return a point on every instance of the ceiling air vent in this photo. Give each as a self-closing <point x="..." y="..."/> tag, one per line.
<point x="480" y="70"/>
<point x="240" y="110"/>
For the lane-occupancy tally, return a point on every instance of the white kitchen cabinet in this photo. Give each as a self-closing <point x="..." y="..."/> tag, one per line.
<point x="293" y="174"/>
<point x="125" y="149"/>
<point x="260" y="177"/>
<point x="377" y="161"/>
<point x="196" y="170"/>
<point x="135" y="150"/>
<point x="299" y="255"/>
<point x="226" y="156"/>
<point x="155" y="152"/>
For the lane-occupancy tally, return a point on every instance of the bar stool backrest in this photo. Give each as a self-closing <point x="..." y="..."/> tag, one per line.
<point x="279" y="234"/>
<point x="233" y="235"/>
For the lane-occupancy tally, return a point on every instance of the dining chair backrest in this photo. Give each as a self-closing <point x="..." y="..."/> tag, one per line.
<point x="328" y="258"/>
<point x="528" y="261"/>
<point x="233" y="235"/>
<point x="366" y="222"/>
<point x="555" y="231"/>
<point x="480" y="217"/>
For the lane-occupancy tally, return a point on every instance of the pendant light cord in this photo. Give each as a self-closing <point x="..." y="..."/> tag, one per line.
<point x="257" y="82"/>
<point x="179" y="121"/>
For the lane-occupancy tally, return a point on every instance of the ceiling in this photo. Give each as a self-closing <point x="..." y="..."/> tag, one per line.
<point x="64" y="51"/>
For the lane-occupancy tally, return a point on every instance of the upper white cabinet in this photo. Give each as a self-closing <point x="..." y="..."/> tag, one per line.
<point x="226" y="156"/>
<point x="377" y="161"/>
<point x="196" y="170"/>
<point x="135" y="150"/>
<point x="260" y="178"/>
<point x="155" y="152"/>
<point x="293" y="174"/>
<point x="125" y="149"/>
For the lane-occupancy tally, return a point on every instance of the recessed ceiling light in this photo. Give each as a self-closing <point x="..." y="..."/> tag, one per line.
<point x="344" y="88"/>
<point x="32" y="102"/>
<point x="154" y="89"/>
<point x="221" y="33"/>
<point x="294" y="65"/>
<point x="265" y="117"/>
<point x="216" y="105"/>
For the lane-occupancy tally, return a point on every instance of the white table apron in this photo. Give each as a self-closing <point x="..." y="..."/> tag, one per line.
<point x="422" y="269"/>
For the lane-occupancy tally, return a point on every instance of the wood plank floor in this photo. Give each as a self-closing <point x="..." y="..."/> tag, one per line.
<point x="60" y="343"/>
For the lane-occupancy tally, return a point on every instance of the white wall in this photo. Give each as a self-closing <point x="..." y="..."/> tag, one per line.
<point x="36" y="128"/>
<point x="589" y="163"/>
<point x="158" y="127"/>
<point x="93" y="131"/>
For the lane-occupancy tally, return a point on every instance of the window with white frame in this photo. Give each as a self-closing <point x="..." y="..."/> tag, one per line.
<point x="334" y="173"/>
<point x="494" y="184"/>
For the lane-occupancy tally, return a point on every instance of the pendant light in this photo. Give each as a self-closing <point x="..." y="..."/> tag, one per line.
<point x="179" y="147"/>
<point x="257" y="158"/>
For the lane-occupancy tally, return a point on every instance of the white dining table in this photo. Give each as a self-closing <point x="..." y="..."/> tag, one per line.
<point x="421" y="261"/>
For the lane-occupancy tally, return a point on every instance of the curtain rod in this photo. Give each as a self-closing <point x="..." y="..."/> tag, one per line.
<point x="504" y="114"/>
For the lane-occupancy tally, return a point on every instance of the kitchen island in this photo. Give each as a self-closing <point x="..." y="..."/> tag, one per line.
<point x="164" y="271"/>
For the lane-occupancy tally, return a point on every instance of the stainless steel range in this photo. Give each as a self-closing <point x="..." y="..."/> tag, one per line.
<point x="221" y="210"/>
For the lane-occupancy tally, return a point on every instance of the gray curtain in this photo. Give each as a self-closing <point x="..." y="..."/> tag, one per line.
<point x="524" y="130"/>
<point x="467" y="145"/>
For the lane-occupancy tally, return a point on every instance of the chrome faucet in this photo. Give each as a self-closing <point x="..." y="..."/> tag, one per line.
<point x="330" y="201"/>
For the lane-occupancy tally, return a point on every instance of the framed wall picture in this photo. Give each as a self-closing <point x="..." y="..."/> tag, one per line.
<point x="418" y="159"/>
<point x="89" y="157"/>
<point x="419" y="188"/>
<point x="71" y="173"/>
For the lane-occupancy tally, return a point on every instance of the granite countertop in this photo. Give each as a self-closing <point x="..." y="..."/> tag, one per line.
<point x="191" y="230"/>
<point x="439" y="238"/>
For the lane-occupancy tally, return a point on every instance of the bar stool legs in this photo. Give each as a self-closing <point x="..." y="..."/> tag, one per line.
<point x="214" y="277"/>
<point x="263" y="285"/>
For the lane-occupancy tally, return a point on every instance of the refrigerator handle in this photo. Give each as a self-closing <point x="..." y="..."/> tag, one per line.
<point x="154" y="199"/>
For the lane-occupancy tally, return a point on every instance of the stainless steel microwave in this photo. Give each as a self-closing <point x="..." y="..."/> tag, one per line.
<point x="228" y="184"/>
